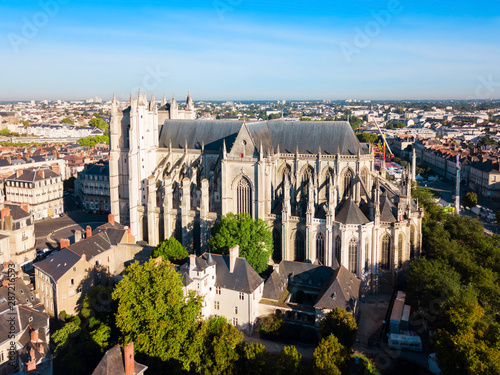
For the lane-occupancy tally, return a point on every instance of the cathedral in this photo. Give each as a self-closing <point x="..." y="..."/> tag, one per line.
<point x="313" y="182"/>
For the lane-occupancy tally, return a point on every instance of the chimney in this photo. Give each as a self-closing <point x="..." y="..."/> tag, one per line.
<point x="234" y="253"/>
<point x="128" y="356"/>
<point x="130" y="237"/>
<point x="111" y="219"/>
<point x="192" y="261"/>
<point x="84" y="257"/>
<point x="4" y="212"/>
<point x="78" y="235"/>
<point x="5" y="282"/>
<point x="31" y="365"/>
<point x="34" y="335"/>
<point x="25" y="207"/>
<point x="88" y="231"/>
<point x="19" y="172"/>
<point x="63" y="242"/>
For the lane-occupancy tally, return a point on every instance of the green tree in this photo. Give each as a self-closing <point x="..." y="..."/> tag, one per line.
<point x="340" y="323"/>
<point x="431" y="283"/>
<point x="329" y="357"/>
<point x="252" y="359"/>
<point x="288" y="361"/>
<point x="253" y="237"/>
<point x="26" y="123"/>
<point x="170" y="250"/>
<point x="67" y="120"/>
<point x="470" y="200"/>
<point x="497" y="216"/>
<point x="154" y="313"/>
<point x="220" y="346"/>
<point x="367" y="137"/>
<point x="101" y="124"/>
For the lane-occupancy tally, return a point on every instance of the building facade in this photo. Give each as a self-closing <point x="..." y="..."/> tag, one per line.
<point x="312" y="182"/>
<point x="92" y="186"/>
<point x="39" y="189"/>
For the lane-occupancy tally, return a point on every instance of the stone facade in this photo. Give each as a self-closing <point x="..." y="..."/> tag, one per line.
<point x="312" y="182"/>
<point x="92" y="186"/>
<point x="39" y="189"/>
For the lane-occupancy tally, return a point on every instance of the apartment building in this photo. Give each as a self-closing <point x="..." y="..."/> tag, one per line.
<point x="62" y="280"/>
<point x="38" y="189"/>
<point x="92" y="186"/>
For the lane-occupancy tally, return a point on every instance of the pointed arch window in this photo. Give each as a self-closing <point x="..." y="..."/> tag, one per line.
<point x="300" y="247"/>
<point x="386" y="248"/>
<point x="277" y="257"/>
<point x="338" y="246"/>
<point x="400" y="248"/>
<point x="353" y="255"/>
<point x="348" y="177"/>
<point x="243" y="196"/>
<point x="320" y="248"/>
<point x="412" y="241"/>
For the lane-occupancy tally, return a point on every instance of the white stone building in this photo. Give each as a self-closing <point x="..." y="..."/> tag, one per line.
<point x="229" y="285"/>
<point x="312" y="182"/>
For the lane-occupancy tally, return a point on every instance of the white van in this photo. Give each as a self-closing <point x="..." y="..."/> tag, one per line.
<point x="405" y="341"/>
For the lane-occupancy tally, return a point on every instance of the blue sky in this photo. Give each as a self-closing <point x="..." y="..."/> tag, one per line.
<point x="250" y="49"/>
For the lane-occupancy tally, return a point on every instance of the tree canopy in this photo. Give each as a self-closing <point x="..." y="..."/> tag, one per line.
<point x="100" y="123"/>
<point x="170" y="250"/>
<point x="288" y="361"/>
<point x="92" y="141"/>
<point x="341" y="324"/>
<point x="470" y="199"/>
<point x="329" y="357"/>
<point x="367" y="137"/>
<point x="253" y="237"/>
<point x="67" y="120"/>
<point x="455" y="290"/>
<point x="154" y="313"/>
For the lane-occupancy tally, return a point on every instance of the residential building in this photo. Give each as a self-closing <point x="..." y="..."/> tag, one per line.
<point x="229" y="285"/>
<point x="17" y="235"/>
<point x="63" y="279"/>
<point x="22" y="316"/>
<point x="92" y="186"/>
<point x="304" y="293"/>
<point x="39" y="189"/>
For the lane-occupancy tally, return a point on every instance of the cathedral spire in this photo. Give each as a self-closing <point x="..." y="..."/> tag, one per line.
<point x="164" y="100"/>
<point x="224" y="152"/>
<point x="113" y="104"/>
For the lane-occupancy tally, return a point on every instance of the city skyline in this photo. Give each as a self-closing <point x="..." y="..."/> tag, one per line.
<point x="250" y="50"/>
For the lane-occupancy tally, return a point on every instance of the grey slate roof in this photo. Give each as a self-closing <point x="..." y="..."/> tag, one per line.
<point x="336" y="287"/>
<point x="58" y="264"/>
<point x="211" y="133"/>
<point x="92" y="246"/>
<point x="31" y="175"/>
<point x="298" y="273"/>
<point x="113" y="363"/>
<point x="350" y="213"/>
<point x="17" y="212"/>
<point x="332" y="136"/>
<point x="343" y="292"/>
<point x="242" y="279"/>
